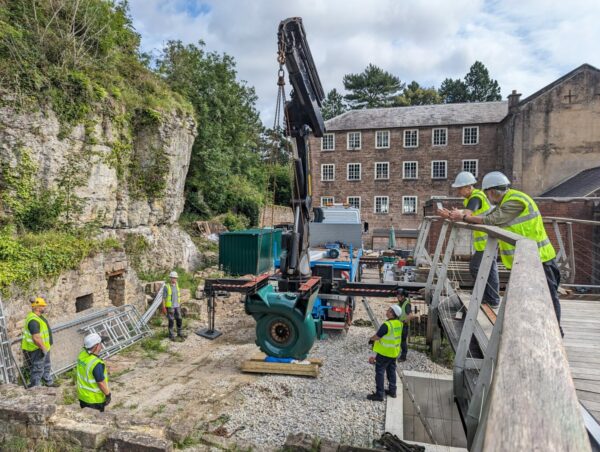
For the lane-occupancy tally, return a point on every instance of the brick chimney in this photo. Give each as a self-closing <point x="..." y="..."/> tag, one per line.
<point x="513" y="100"/>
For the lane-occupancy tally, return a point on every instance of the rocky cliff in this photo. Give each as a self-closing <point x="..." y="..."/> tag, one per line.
<point x="115" y="164"/>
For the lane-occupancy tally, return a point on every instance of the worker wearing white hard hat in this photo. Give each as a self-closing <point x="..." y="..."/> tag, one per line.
<point x="517" y="212"/>
<point x="386" y="345"/>
<point x="476" y="203"/>
<point x="92" y="375"/>
<point x="171" y="306"/>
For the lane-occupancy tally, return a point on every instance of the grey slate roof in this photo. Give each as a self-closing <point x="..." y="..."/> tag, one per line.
<point x="580" y="185"/>
<point x="422" y="115"/>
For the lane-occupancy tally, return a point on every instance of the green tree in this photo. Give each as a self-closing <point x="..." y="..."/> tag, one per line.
<point x="333" y="105"/>
<point x="226" y="173"/>
<point x="453" y="91"/>
<point x="476" y="87"/>
<point x="415" y="94"/>
<point x="480" y="87"/>
<point x="372" y="88"/>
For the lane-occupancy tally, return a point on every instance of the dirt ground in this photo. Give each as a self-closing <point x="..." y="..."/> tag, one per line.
<point x="192" y="380"/>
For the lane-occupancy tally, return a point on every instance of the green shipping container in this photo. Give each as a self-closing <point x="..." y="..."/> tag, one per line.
<point x="249" y="252"/>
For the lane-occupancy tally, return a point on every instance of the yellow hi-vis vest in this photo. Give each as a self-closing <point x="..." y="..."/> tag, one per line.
<point x="403" y="306"/>
<point x="27" y="340"/>
<point x="87" y="386"/>
<point x="479" y="238"/>
<point x="389" y="345"/>
<point x="168" y="301"/>
<point x="528" y="224"/>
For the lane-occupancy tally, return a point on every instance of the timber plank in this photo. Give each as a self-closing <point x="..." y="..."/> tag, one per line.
<point x="261" y="367"/>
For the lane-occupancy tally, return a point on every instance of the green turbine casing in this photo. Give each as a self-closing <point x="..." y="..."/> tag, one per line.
<point x="284" y="311"/>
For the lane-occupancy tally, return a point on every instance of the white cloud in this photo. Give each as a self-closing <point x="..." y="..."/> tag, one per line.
<point x="525" y="44"/>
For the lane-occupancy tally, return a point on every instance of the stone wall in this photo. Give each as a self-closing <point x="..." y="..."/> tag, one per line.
<point x="100" y="276"/>
<point x="35" y="420"/>
<point x="553" y="134"/>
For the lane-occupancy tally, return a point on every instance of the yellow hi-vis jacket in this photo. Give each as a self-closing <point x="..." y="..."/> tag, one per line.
<point x="389" y="345"/>
<point x="528" y="224"/>
<point x="168" y="301"/>
<point x="87" y="386"/>
<point x="27" y="340"/>
<point x="479" y="238"/>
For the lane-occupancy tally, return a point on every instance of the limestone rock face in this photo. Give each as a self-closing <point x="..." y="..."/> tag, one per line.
<point x="91" y="151"/>
<point x="169" y="247"/>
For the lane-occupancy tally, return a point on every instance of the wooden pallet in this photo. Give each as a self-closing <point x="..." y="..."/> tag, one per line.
<point x="256" y="364"/>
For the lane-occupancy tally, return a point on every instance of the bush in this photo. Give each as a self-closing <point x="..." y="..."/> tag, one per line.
<point x="233" y="222"/>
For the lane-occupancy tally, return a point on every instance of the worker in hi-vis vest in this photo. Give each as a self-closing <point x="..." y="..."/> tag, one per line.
<point x="386" y="345"/>
<point x="517" y="212"/>
<point x="171" y="306"/>
<point x="476" y="203"/>
<point x="405" y="315"/>
<point x="92" y="376"/>
<point x="36" y="344"/>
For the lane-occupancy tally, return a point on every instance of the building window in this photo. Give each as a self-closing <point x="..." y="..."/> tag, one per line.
<point x="439" y="137"/>
<point x="328" y="172"/>
<point x="470" y="166"/>
<point x="328" y="142"/>
<point x="439" y="169"/>
<point x="354" y="201"/>
<point x="353" y="171"/>
<point x="410" y="170"/>
<point x="382" y="139"/>
<point x="382" y="170"/>
<point x="327" y="201"/>
<point x="353" y="140"/>
<point x="470" y="135"/>
<point x="409" y="204"/>
<point x="382" y="204"/>
<point x="411" y="138"/>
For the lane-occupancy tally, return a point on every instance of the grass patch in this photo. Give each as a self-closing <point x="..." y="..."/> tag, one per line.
<point x="121" y="373"/>
<point x="70" y="396"/>
<point x="152" y="346"/>
<point x="15" y="444"/>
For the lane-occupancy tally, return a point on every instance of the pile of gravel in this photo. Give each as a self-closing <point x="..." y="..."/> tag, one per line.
<point x="332" y="406"/>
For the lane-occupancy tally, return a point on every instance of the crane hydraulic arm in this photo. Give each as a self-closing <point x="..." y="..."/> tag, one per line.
<point x="303" y="116"/>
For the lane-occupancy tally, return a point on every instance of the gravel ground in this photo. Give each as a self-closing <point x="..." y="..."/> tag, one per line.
<point x="332" y="406"/>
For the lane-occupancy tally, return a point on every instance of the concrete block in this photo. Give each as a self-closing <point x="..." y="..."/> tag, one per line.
<point x="122" y="441"/>
<point x="459" y="439"/>
<point x="86" y="435"/>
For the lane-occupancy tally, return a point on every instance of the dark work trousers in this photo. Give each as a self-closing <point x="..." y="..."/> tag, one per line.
<point x="491" y="295"/>
<point x="39" y="367"/>
<point x="383" y="366"/>
<point x="404" y="343"/>
<point x="95" y="406"/>
<point x="553" y="277"/>
<point x="174" y="315"/>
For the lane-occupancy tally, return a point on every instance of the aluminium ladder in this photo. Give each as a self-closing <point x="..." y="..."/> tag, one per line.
<point x="9" y="372"/>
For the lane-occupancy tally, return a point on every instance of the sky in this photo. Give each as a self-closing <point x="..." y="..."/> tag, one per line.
<point x="525" y="44"/>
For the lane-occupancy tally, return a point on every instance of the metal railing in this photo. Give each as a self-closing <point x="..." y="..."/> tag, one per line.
<point x="517" y="393"/>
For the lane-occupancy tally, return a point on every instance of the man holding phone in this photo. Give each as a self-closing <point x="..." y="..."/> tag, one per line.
<point x="476" y="203"/>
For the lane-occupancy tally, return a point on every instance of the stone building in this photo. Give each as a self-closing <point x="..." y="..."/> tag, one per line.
<point x="390" y="161"/>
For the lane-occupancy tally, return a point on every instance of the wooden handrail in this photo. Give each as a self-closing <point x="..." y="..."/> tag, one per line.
<point x="532" y="404"/>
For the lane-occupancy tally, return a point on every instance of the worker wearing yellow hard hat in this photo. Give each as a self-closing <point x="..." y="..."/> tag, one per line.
<point x="36" y="344"/>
